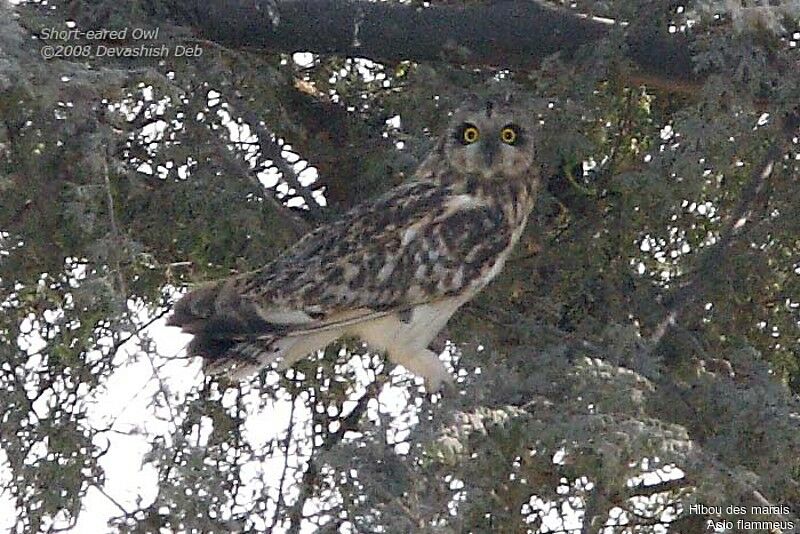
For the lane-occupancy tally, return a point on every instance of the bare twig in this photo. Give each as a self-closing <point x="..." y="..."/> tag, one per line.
<point x="115" y="233"/>
<point x="111" y="499"/>
<point x="287" y="443"/>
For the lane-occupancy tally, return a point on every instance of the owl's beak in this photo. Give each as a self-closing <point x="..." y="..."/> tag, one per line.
<point x="490" y="150"/>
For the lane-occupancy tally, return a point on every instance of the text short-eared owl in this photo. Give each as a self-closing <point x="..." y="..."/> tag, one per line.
<point x="391" y="271"/>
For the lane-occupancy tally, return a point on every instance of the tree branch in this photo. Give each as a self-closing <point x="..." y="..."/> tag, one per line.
<point x="507" y="33"/>
<point x="270" y="149"/>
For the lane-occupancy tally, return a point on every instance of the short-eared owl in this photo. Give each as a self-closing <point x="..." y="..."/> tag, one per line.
<point x="391" y="271"/>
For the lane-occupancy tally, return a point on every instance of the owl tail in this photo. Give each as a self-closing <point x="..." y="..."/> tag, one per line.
<point x="228" y="332"/>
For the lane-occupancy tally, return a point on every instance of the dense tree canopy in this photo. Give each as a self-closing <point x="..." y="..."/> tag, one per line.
<point x="637" y="362"/>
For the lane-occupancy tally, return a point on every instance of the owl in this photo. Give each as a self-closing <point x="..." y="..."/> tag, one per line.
<point x="391" y="271"/>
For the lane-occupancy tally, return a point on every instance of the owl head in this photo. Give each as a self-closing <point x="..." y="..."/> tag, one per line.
<point x="491" y="139"/>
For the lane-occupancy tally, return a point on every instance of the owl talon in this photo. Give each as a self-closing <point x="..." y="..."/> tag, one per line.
<point x="440" y="383"/>
<point x="446" y="387"/>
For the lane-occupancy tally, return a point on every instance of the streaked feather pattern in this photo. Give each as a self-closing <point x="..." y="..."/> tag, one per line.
<point x="391" y="271"/>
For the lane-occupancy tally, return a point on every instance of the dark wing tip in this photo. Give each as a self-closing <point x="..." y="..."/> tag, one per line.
<point x="175" y="319"/>
<point x="194" y="307"/>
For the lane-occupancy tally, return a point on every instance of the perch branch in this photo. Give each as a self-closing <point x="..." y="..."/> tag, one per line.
<point x="468" y="34"/>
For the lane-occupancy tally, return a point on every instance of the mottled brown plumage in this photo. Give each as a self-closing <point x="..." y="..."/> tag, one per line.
<point x="391" y="271"/>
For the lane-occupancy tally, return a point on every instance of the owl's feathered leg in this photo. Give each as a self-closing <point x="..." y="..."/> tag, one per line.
<point x="404" y="345"/>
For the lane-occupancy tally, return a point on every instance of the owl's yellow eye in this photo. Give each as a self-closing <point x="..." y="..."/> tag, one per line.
<point x="509" y="135"/>
<point x="470" y="134"/>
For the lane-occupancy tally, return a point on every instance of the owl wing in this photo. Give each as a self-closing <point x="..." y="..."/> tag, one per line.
<point x="419" y="243"/>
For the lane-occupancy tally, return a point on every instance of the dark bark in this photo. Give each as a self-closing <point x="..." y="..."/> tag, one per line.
<point x="511" y="34"/>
